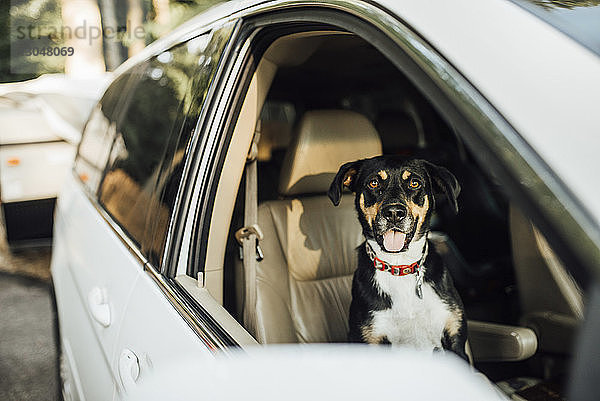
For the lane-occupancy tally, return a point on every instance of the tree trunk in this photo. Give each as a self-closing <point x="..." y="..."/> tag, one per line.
<point x="83" y="16"/>
<point x="135" y="29"/>
<point x="110" y="26"/>
<point x="163" y="16"/>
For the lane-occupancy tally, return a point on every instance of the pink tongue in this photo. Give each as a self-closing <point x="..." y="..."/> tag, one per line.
<point x="393" y="241"/>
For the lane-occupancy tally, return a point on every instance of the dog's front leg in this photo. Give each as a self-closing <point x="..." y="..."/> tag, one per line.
<point x="456" y="341"/>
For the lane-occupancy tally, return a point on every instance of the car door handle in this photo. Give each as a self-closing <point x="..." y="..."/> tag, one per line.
<point x="98" y="306"/>
<point x="129" y="369"/>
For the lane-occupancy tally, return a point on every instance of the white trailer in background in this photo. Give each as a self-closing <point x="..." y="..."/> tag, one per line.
<point x="40" y="125"/>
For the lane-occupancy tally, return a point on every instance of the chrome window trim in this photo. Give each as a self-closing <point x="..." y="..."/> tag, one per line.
<point x="200" y="167"/>
<point x="201" y="142"/>
<point x="193" y="313"/>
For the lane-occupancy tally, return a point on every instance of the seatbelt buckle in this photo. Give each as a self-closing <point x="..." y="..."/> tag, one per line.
<point x="245" y="233"/>
<point x="259" y="253"/>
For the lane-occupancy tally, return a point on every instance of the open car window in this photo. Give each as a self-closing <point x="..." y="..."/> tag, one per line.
<point x="322" y="69"/>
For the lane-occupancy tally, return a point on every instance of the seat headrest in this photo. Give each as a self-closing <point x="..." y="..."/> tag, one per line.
<point x="326" y="139"/>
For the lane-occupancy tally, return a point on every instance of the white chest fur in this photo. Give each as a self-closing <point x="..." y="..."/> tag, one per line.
<point x="410" y="321"/>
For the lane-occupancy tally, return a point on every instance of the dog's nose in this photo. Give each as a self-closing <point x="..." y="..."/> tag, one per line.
<point x="394" y="212"/>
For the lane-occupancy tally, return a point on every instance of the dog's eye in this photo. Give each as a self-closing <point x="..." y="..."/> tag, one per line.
<point x="414" y="184"/>
<point x="373" y="184"/>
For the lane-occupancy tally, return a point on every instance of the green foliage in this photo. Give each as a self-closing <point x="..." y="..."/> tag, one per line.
<point x="179" y="12"/>
<point x="23" y="14"/>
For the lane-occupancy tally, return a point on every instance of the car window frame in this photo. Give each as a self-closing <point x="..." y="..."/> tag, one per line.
<point x="211" y="332"/>
<point x="499" y="148"/>
<point x="135" y="75"/>
<point x="482" y="128"/>
<point x="202" y="323"/>
<point x="198" y="143"/>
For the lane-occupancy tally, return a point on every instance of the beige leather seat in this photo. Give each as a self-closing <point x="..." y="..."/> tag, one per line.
<point x="303" y="283"/>
<point x="551" y="301"/>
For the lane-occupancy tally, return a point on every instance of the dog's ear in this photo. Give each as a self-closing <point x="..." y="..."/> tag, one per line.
<point x="345" y="177"/>
<point x="445" y="182"/>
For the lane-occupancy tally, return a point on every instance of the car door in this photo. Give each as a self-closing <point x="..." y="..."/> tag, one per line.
<point x="104" y="225"/>
<point x="163" y="321"/>
<point x="90" y="268"/>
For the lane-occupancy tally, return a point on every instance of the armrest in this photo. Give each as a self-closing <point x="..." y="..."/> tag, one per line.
<point x="492" y="342"/>
<point x="555" y="331"/>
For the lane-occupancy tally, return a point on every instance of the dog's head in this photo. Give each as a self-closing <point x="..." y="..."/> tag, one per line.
<point x="395" y="198"/>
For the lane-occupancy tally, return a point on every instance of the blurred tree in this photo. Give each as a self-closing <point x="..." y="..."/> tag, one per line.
<point x="87" y="58"/>
<point x="110" y="27"/>
<point x="17" y="16"/>
<point x="162" y="17"/>
<point x="135" y="15"/>
<point x="127" y="26"/>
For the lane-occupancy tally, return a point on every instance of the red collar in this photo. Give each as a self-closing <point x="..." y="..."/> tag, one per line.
<point x="398" y="270"/>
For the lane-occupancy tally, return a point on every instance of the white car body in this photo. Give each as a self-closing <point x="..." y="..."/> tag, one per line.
<point x="126" y="327"/>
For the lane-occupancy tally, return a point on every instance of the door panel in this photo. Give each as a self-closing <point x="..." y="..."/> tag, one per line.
<point x="155" y="334"/>
<point x="91" y="374"/>
<point x="100" y="263"/>
<point x="91" y="268"/>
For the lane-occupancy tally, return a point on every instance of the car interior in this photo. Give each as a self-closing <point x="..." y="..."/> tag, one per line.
<point x="319" y="99"/>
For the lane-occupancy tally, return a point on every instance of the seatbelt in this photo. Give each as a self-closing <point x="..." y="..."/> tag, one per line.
<point x="250" y="235"/>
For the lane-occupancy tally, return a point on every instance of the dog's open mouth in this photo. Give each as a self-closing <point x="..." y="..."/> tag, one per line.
<point x="393" y="240"/>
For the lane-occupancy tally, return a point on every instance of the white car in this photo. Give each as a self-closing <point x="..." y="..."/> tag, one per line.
<point x="229" y="131"/>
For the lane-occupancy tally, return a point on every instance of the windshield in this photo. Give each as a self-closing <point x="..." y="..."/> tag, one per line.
<point x="579" y="19"/>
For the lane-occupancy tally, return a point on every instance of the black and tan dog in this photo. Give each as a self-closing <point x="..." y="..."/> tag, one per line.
<point x="402" y="293"/>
